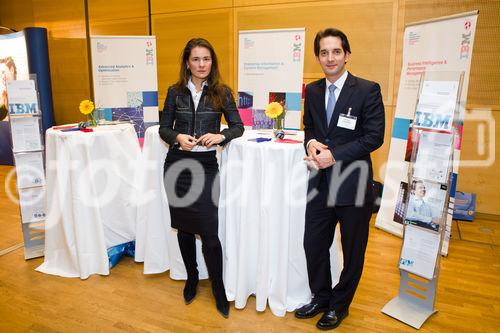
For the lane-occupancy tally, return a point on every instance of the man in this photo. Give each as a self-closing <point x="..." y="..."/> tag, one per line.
<point x="419" y="212"/>
<point x="343" y="122"/>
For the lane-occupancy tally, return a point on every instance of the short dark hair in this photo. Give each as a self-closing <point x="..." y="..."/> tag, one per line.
<point x="415" y="182"/>
<point x="331" y="32"/>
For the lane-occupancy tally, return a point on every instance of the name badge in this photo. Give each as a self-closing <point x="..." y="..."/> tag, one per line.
<point x="347" y="121"/>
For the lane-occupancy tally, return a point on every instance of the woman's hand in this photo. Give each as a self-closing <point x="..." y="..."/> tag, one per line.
<point x="210" y="139"/>
<point x="187" y="142"/>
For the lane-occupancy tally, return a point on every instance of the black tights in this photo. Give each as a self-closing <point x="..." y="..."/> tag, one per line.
<point x="212" y="252"/>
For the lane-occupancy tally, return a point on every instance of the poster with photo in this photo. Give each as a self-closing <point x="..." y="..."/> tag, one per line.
<point x="426" y="204"/>
<point x="410" y="143"/>
<point x="13" y="66"/>
<point x="399" y="212"/>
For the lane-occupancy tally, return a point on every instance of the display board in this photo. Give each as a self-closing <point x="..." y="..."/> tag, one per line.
<point x="125" y="80"/>
<point x="441" y="44"/>
<point x="270" y="69"/>
<point x="13" y="66"/>
<point x="25" y="119"/>
<point x="23" y="54"/>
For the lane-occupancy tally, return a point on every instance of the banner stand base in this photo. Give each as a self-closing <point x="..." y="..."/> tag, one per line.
<point x="408" y="313"/>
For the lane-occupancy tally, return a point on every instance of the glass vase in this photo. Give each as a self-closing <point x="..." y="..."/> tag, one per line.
<point x="278" y="131"/>
<point x="92" y="119"/>
<point x="278" y="123"/>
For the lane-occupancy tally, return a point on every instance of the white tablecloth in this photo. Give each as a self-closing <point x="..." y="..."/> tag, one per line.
<point x="262" y="213"/>
<point x="261" y="222"/>
<point x="90" y="198"/>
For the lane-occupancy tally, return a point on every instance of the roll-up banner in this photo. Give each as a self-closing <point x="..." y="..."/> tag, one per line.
<point x="442" y="44"/>
<point x="125" y="79"/>
<point x="21" y="54"/>
<point x="270" y="69"/>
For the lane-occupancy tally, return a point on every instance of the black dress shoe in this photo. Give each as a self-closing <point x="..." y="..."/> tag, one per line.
<point x="309" y="310"/>
<point x="190" y="290"/>
<point x="221" y="301"/>
<point x="331" y="319"/>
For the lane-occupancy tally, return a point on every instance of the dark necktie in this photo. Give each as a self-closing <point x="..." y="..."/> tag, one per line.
<point x="331" y="104"/>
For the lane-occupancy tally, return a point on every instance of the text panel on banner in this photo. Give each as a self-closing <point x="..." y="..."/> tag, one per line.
<point x="270" y="69"/>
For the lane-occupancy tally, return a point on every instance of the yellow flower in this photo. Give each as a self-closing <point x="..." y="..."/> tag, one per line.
<point x="86" y="106"/>
<point x="274" y="110"/>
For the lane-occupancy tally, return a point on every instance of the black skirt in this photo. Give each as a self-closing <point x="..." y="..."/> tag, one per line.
<point x="192" y="188"/>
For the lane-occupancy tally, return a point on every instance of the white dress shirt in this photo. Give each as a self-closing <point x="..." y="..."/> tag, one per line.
<point x="338" y="87"/>
<point x="196" y="95"/>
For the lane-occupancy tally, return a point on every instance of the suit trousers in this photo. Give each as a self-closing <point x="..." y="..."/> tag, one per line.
<point x="321" y="221"/>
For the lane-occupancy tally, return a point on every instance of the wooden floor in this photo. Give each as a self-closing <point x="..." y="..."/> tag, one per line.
<point x="468" y="298"/>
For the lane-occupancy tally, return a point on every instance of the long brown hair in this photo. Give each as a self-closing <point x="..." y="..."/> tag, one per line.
<point x="216" y="87"/>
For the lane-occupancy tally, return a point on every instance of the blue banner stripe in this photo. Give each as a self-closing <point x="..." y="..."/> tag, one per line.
<point x="400" y="128"/>
<point x="454" y="178"/>
<point x="149" y="98"/>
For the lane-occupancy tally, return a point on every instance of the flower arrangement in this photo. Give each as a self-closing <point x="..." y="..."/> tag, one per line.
<point x="86" y="108"/>
<point x="276" y="111"/>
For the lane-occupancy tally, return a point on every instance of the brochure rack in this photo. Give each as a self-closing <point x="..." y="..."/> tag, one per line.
<point x="427" y="208"/>
<point x="25" y="118"/>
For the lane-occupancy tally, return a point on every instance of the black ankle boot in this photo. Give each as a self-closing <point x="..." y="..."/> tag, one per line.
<point x="220" y="299"/>
<point x="190" y="290"/>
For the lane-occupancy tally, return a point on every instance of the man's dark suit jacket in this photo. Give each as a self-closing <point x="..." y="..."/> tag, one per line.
<point x="364" y="99"/>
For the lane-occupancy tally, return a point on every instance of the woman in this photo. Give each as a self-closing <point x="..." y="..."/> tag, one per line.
<point x="190" y="124"/>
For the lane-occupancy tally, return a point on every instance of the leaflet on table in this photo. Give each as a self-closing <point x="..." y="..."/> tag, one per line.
<point x="29" y="169"/>
<point x="426" y="204"/>
<point x="436" y="105"/>
<point x="433" y="156"/>
<point x="32" y="203"/>
<point x="22" y="97"/>
<point x="420" y="251"/>
<point x="25" y="134"/>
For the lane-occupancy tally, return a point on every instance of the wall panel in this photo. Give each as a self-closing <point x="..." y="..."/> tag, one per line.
<point x="242" y="3"/>
<point x="367" y="27"/>
<point x="121" y="27"/>
<point x="16" y="15"/>
<point x="484" y="83"/>
<point x="67" y="53"/>
<point x="173" y="6"/>
<point x="117" y="9"/>
<point x="173" y="32"/>
<point x="477" y="141"/>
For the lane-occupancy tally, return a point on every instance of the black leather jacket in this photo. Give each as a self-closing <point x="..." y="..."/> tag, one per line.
<point x="179" y="116"/>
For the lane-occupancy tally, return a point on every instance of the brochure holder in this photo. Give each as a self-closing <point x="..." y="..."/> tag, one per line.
<point x="427" y="209"/>
<point x="27" y="139"/>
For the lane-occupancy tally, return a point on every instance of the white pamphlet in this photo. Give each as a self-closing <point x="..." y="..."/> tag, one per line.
<point x="420" y="251"/>
<point x="25" y="134"/>
<point x="22" y="97"/>
<point x="433" y="156"/>
<point x="436" y="105"/>
<point x="29" y="169"/>
<point x="32" y="202"/>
